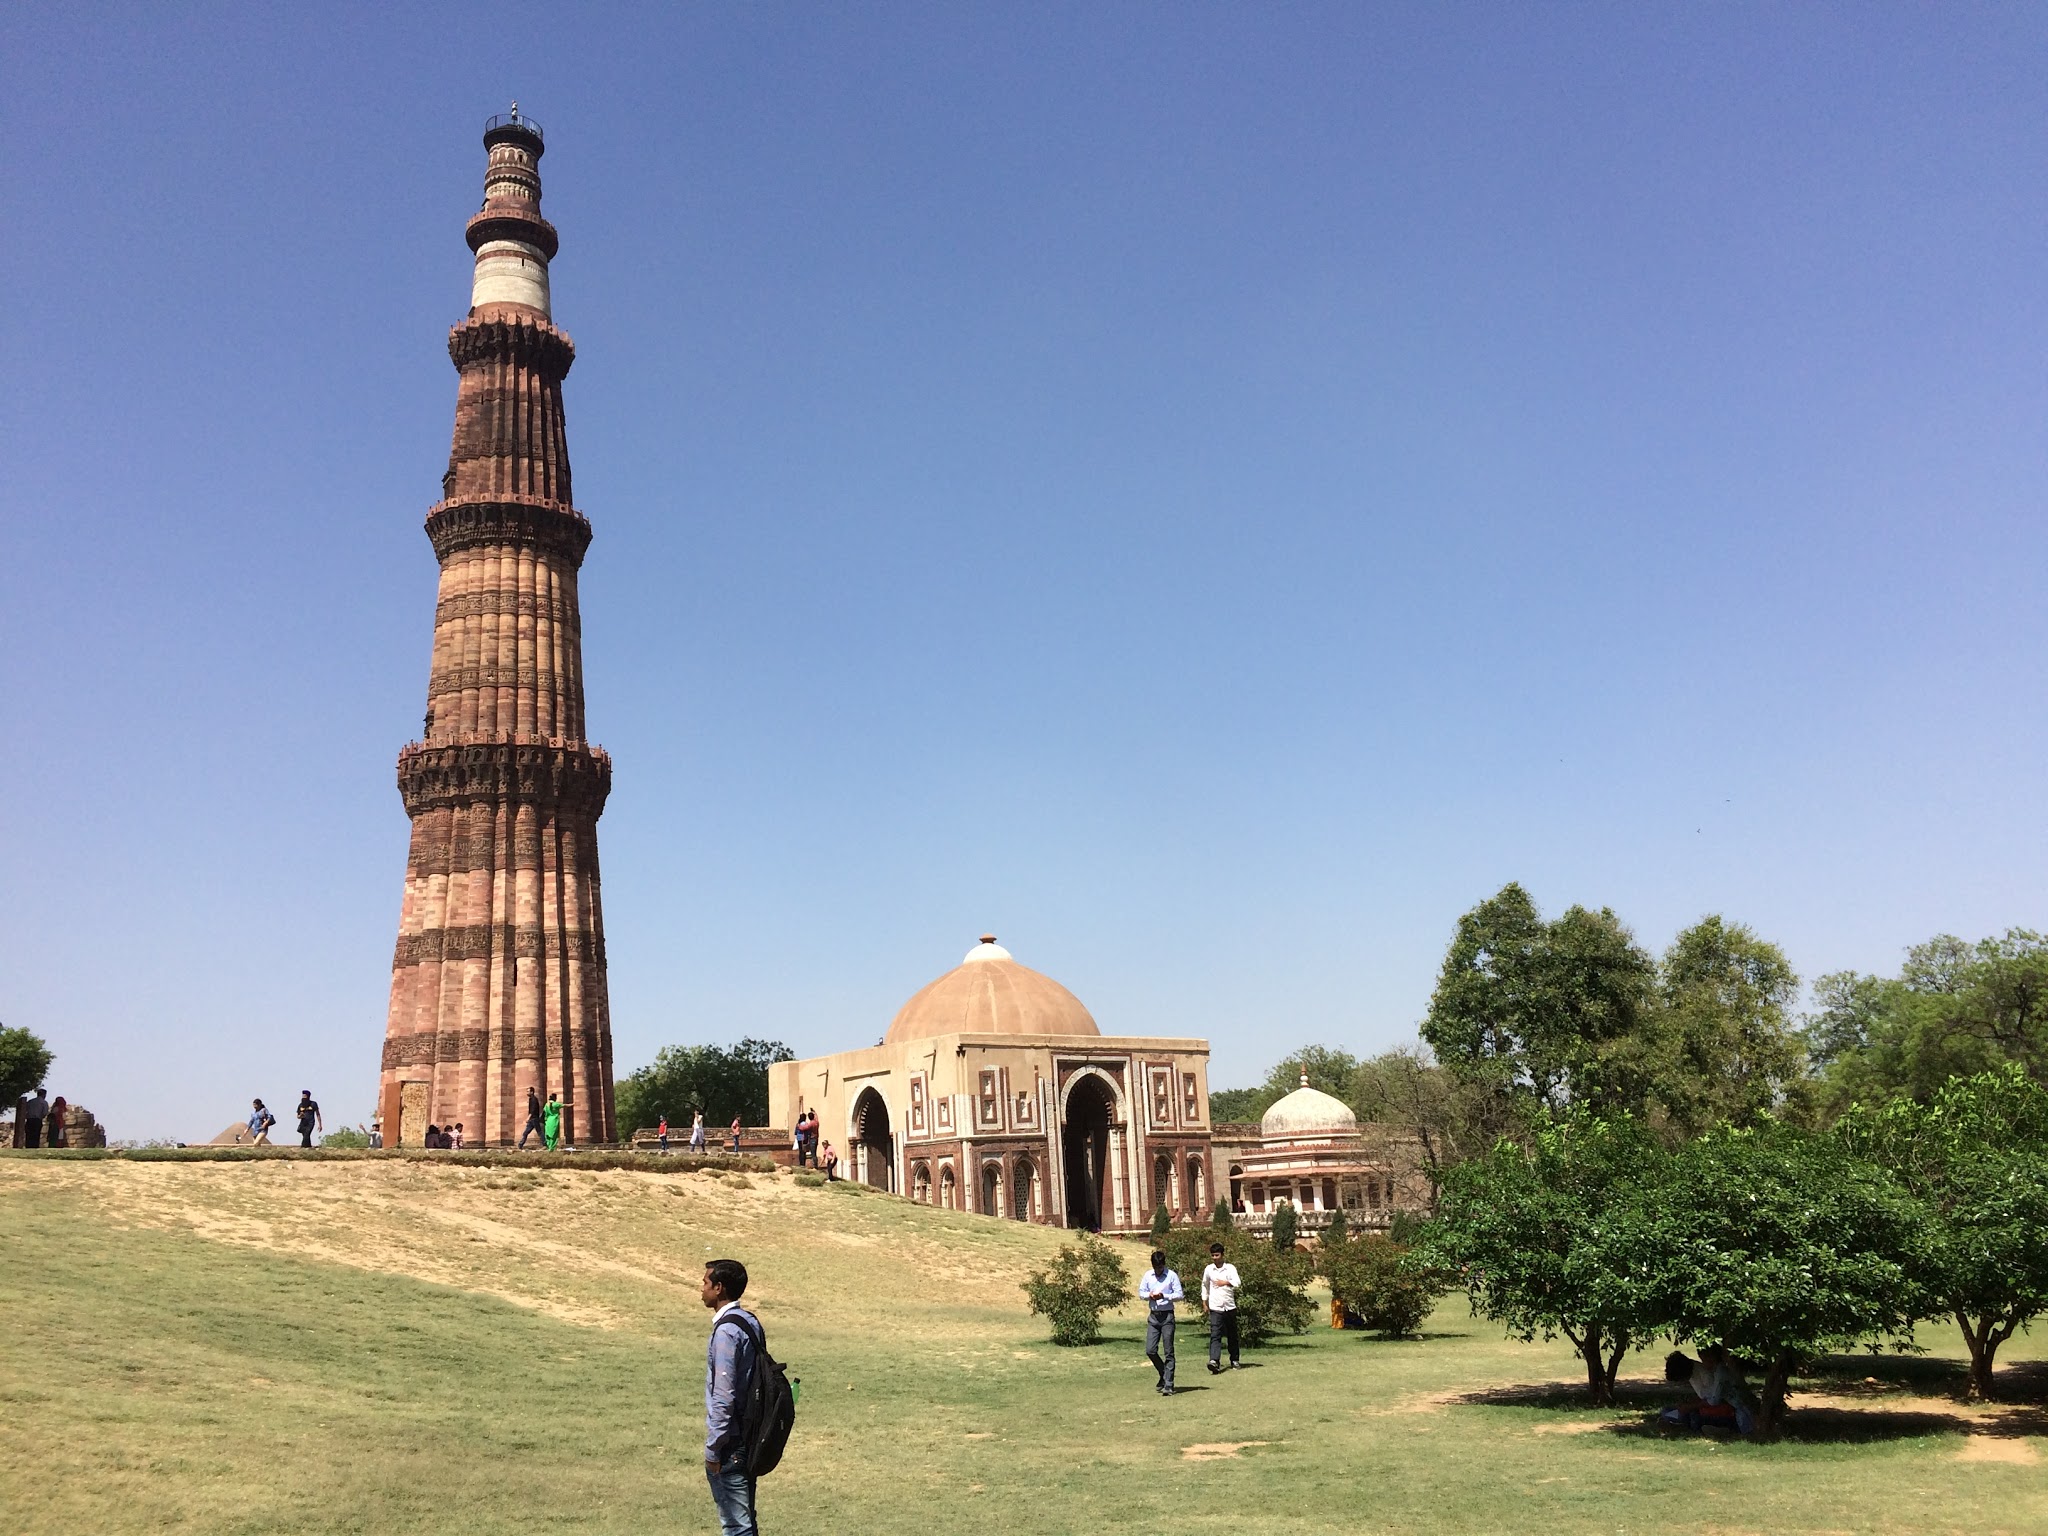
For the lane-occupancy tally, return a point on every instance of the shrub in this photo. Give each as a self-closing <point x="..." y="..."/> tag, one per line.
<point x="345" y="1136"/>
<point x="1222" y="1218"/>
<point x="1384" y="1283"/>
<point x="1283" y="1225"/>
<point x="808" y="1179"/>
<point x="1161" y="1222"/>
<point x="1273" y="1297"/>
<point x="1082" y="1281"/>
<point x="1339" y="1229"/>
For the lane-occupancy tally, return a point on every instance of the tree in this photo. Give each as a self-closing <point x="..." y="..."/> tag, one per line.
<point x="24" y="1064"/>
<point x="1080" y="1283"/>
<point x="1537" y="1234"/>
<point x="1402" y="1095"/>
<point x="722" y="1081"/>
<point x="1221" y="1216"/>
<point x="1777" y="1242"/>
<point x="1379" y="1280"/>
<point x="1955" y="1010"/>
<point x="1327" y="1068"/>
<point x="1723" y="1047"/>
<point x="1976" y="1157"/>
<point x="1536" y="1009"/>
<point x="1339" y="1228"/>
<point x="1162" y="1223"/>
<point x="1283" y="1225"/>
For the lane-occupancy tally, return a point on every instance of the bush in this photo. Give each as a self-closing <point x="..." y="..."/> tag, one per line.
<point x="345" y="1136"/>
<point x="1283" y="1225"/>
<point x="1339" y="1229"/>
<point x="1273" y="1298"/>
<point x="1161" y="1223"/>
<point x="808" y="1179"/>
<point x="1384" y="1283"/>
<point x="1222" y="1218"/>
<point x="1083" y="1281"/>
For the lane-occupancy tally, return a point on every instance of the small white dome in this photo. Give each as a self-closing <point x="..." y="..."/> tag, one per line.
<point x="1309" y="1112"/>
<point x="987" y="949"/>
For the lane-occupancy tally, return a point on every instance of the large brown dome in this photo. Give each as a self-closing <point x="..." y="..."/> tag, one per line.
<point x="989" y="993"/>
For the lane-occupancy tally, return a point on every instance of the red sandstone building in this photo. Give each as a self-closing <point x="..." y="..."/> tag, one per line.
<point x="498" y="983"/>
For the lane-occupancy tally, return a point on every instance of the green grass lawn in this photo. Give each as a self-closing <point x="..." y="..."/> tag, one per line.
<point x="286" y="1346"/>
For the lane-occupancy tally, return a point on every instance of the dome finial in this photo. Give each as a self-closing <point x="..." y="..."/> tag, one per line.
<point x="1304" y="1079"/>
<point x="988" y="938"/>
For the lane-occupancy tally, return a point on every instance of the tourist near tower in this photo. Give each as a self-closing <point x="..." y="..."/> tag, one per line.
<point x="498" y="983"/>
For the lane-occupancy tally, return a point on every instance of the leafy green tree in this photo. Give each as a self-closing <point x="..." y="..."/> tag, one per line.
<point x="1976" y="1156"/>
<point x="723" y="1081"/>
<point x="1237" y="1104"/>
<point x="1778" y="1242"/>
<point x="1723" y="1047"/>
<point x="1537" y="1009"/>
<point x="24" y="1064"/>
<point x="1385" y="1284"/>
<point x="1283" y="1225"/>
<point x="1081" y="1282"/>
<point x="1537" y="1235"/>
<point x="1955" y="1010"/>
<point x="1402" y="1095"/>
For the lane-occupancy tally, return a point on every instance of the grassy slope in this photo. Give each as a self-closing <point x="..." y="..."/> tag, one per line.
<point x="356" y="1347"/>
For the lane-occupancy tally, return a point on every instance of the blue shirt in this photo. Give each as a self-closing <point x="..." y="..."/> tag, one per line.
<point x="1160" y="1291"/>
<point x="728" y="1368"/>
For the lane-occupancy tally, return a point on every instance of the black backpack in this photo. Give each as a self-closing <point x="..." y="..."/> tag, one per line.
<point x="768" y="1406"/>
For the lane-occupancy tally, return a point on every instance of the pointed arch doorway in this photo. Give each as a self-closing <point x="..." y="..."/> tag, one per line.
<point x="874" y="1149"/>
<point x="1084" y="1133"/>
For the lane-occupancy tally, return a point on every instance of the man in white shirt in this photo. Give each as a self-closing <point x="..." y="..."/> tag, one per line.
<point x="1159" y="1289"/>
<point x="1219" y="1299"/>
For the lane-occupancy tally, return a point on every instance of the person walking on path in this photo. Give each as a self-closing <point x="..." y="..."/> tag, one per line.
<point x="551" y="1122"/>
<point x="260" y="1122"/>
<point x="1159" y="1290"/>
<point x="309" y="1117"/>
<point x="735" y="1134"/>
<point x="33" y="1113"/>
<point x="533" y="1127"/>
<point x="697" y="1132"/>
<point x="1219" y="1300"/>
<point x="661" y="1131"/>
<point x="736" y="1342"/>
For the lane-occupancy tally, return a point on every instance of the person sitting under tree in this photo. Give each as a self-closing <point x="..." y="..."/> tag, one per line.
<point x="1722" y="1398"/>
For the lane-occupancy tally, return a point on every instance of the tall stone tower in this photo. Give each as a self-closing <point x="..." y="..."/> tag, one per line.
<point x="498" y="983"/>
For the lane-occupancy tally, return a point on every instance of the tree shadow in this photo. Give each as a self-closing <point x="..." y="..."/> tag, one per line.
<point x="1829" y="1422"/>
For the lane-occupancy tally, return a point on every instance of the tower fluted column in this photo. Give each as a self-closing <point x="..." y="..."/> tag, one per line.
<point x="498" y="982"/>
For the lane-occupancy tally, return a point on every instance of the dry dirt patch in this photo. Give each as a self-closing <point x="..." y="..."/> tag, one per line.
<point x="1217" y="1450"/>
<point x="2013" y="1453"/>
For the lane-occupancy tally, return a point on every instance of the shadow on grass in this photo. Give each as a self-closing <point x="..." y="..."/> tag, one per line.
<point x="1822" y="1423"/>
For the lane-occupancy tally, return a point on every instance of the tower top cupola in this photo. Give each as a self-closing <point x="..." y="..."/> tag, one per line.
<point x="513" y="243"/>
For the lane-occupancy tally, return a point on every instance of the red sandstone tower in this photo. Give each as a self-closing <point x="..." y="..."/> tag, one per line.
<point x="498" y="983"/>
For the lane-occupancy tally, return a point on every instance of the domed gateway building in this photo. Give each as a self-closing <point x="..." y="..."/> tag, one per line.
<point x="995" y="1091"/>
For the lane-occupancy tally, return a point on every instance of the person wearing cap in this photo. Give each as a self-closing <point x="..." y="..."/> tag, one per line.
<point x="1219" y="1300"/>
<point x="309" y="1117"/>
<point x="1159" y="1289"/>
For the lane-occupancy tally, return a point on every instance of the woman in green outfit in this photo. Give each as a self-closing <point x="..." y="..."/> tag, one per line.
<point x="551" y="1121"/>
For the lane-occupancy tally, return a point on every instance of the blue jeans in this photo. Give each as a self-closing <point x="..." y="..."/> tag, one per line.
<point x="733" y="1492"/>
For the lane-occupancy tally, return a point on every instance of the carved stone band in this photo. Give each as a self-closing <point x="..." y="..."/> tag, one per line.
<point x="560" y="777"/>
<point x="542" y="525"/>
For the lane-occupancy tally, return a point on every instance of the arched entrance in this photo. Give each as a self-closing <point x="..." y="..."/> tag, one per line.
<point x="874" y="1149"/>
<point x="1084" y="1133"/>
<point x="948" y="1199"/>
<point x="991" y="1189"/>
<point x="1162" y="1183"/>
<point x="1198" y="1190"/>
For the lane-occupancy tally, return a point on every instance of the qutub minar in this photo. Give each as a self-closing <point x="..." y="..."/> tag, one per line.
<point x="498" y="983"/>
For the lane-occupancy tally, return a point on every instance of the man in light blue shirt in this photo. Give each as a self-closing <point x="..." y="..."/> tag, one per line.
<point x="1159" y="1289"/>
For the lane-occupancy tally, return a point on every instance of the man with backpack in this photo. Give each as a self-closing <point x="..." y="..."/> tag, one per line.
<point x="749" y="1402"/>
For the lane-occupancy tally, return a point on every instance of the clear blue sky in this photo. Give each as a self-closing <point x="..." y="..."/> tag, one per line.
<point x="1207" y="493"/>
